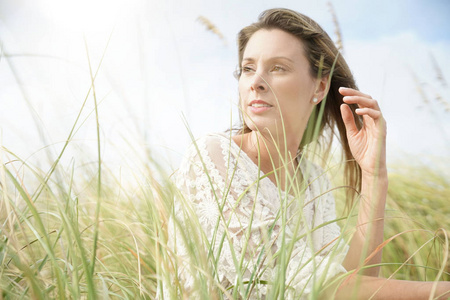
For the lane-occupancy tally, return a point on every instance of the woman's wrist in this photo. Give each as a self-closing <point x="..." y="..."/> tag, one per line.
<point x="374" y="186"/>
<point x="375" y="174"/>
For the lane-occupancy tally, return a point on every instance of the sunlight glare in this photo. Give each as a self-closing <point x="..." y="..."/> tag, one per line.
<point x="83" y="15"/>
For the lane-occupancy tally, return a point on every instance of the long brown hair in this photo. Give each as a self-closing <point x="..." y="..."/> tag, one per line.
<point x="324" y="59"/>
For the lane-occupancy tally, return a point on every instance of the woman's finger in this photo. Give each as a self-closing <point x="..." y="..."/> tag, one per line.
<point x="345" y="91"/>
<point x="362" y="101"/>
<point x="349" y="120"/>
<point x="373" y="113"/>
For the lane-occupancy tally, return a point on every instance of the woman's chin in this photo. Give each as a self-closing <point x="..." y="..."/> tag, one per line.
<point x="266" y="130"/>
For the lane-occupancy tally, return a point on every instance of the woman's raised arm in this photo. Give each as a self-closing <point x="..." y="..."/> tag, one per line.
<point x="368" y="287"/>
<point x="368" y="146"/>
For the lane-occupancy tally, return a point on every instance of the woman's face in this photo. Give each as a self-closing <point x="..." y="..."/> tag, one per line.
<point x="276" y="81"/>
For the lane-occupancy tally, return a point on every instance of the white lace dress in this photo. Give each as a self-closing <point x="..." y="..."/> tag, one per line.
<point x="246" y="219"/>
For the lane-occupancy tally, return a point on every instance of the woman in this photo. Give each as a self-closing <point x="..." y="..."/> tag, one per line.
<point x="266" y="213"/>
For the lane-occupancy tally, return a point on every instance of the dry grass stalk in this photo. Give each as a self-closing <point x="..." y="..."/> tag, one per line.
<point x="419" y="88"/>
<point x="441" y="80"/>
<point x="337" y="28"/>
<point x="437" y="69"/>
<point x="211" y="27"/>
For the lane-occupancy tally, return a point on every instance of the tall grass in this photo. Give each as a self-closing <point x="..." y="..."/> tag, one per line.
<point x="50" y="235"/>
<point x="81" y="232"/>
<point x="417" y="209"/>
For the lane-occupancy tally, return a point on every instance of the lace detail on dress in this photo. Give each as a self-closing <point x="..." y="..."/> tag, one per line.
<point x="240" y="213"/>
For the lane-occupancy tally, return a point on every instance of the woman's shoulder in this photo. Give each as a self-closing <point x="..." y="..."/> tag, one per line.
<point x="214" y="154"/>
<point x="206" y="147"/>
<point x="210" y="144"/>
<point x="312" y="168"/>
<point x="214" y="138"/>
<point x="318" y="177"/>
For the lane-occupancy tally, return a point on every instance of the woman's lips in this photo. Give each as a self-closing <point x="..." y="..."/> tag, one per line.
<point x="259" y="106"/>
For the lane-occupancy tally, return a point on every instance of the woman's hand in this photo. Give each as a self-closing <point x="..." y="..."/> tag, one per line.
<point x="368" y="145"/>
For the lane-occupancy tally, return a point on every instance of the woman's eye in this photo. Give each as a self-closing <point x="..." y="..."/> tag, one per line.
<point x="277" y="68"/>
<point x="247" y="69"/>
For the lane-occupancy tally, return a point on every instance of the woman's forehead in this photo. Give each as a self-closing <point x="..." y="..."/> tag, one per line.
<point x="273" y="43"/>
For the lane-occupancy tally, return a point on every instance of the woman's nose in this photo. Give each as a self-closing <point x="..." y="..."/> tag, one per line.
<point x="258" y="83"/>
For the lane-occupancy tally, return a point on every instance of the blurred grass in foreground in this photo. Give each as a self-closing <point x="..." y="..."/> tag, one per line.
<point x="48" y="229"/>
<point x="418" y="209"/>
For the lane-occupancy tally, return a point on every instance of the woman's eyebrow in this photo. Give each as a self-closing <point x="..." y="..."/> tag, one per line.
<point x="282" y="57"/>
<point x="250" y="59"/>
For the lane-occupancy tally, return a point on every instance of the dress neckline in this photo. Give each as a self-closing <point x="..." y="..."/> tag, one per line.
<point x="242" y="153"/>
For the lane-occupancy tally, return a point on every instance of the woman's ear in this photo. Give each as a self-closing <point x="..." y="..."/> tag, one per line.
<point x="322" y="89"/>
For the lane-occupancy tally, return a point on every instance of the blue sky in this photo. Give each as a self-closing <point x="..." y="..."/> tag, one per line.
<point x="161" y="63"/>
<point x="372" y="19"/>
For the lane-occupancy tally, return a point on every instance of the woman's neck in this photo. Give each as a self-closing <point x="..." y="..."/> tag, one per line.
<point x="275" y="158"/>
<point x="269" y="151"/>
